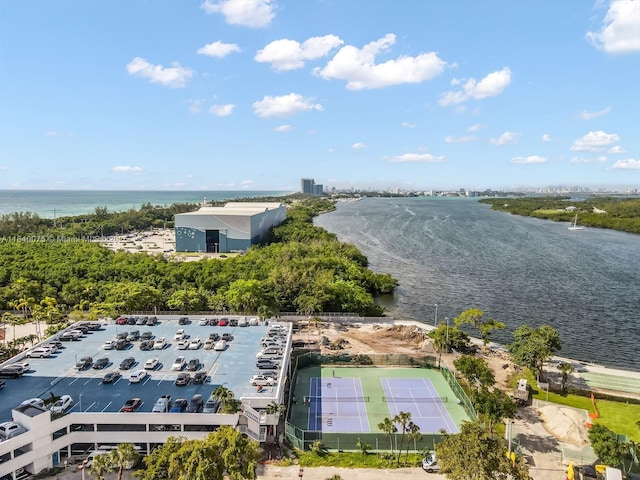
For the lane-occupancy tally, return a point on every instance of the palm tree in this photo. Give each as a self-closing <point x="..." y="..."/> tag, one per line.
<point x="566" y="369"/>
<point x="123" y="456"/>
<point x="403" y="418"/>
<point x="413" y="433"/>
<point x="101" y="465"/>
<point x="274" y="408"/>
<point x="388" y="427"/>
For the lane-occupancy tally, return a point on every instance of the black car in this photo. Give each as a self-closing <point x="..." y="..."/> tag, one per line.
<point x="213" y="322"/>
<point x="111" y="377"/>
<point x="131" y="320"/>
<point x="146" y="345"/>
<point x="233" y="322"/>
<point x="101" y="363"/>
<point x="146" y="335"/>
<point x="214" y="336"/>
<point x="121" y="335"/>
<point x="193" y="365"/>
<point x="183" y="379"/>
<point x="183" y="320"/>
<point x="84" y="363"/>
<point x="226" y="336"/>
<point x="195" y="404"/>
<point x="200" y="378"/>
<point x="127" y="363"/>
<point x="122" y="344"/>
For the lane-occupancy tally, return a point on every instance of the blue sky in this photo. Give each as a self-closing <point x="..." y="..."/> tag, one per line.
<point x="254" y="94"/>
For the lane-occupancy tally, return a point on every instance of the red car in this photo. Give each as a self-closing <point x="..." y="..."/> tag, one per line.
<point x="121" y="321"/>
<point x="223" y="322"/>
<point x="131" y="405"/>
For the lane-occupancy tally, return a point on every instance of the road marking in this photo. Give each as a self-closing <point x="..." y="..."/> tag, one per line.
<point x="107" y="406"/>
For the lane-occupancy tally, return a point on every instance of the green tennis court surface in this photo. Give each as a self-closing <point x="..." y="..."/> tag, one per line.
<point x="612" y="382"/>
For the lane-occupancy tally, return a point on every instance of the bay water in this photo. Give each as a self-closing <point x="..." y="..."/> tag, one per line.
<point x="459" y="254"/>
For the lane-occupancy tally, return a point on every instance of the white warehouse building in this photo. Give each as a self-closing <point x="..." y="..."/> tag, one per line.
<point x="234" y="227"/>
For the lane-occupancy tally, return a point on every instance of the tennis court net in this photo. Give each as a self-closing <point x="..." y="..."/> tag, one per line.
<point x="336" y="399"/>
<point x="414" y="399"/>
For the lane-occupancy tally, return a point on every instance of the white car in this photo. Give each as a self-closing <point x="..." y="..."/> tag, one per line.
<point x="220" y="345"/>
<point x="151" y="364"/>
<point x="33" y="401"/>
<point x="195" y="344"/>
<point x="180" y="335"/>
<point x="178" y="364"/>
<point x="182" y="344"/>
<point x="63" y="403"/>
<point x="109" y="345"/>
<point x="203" y="322"/>
<point x="40" y="352"/>
<point x="138" y="376"/>
<point x="259" y="380"/>
<point x="160" y="343"/>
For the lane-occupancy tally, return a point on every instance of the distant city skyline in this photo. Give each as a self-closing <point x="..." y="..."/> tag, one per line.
<point x="252" y="95"/>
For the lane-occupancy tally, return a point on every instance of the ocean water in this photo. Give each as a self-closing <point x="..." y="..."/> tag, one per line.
<point x="64" y="203"/>
<point x="459" y="254"/>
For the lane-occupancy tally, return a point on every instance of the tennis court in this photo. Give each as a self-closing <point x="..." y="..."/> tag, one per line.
<point x="337" y="405"/>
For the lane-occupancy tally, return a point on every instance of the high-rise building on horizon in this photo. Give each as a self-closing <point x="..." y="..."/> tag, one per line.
<point x="310" y="187"/>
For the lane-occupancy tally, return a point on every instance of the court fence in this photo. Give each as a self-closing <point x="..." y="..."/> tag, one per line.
<point x="378" y="442"/>
<point x="461" y="395"/>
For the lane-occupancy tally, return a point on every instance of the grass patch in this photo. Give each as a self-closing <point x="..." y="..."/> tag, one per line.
<point x="549" y="211"/>
<point x="356" y="460"/>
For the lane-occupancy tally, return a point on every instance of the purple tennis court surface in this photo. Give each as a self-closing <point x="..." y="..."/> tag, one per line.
<point x="418" y="397"/>
<point x="337" y="405"/>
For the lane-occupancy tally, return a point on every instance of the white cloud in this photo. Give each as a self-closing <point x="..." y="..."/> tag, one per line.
<point x="246" y="13"/>
<point x="463" y="139"/>
<point x="530" y="159"/>
<point x="357" y="66"/>
<point x="222" y="110"/>
<point x="174" y="76"/>
<point x="195" y="105"/>
<point x="506" y="138"/>
<point x="283" y="128"/>
<point x="620" y="32"/>
<point x="415" y="158"/>
<point x="475" y="128"/>
<point x="628" y="164"/>
<point x="53" y="133"/>
<point x="358" y="145"/>
<point x="617" y="149"/>
<point x="290" y="55"/>
<point x="591" y="115"/>
<point x="127" y="169"/>
<point x="284" y="106"/>
<point x="546" y="137"/>
<point x="246" y="183"/>
<point x="408" y="125"/>
<point x="594" y="141"/>
<point x="600" y="159"/>
<point x="490" y="86"/>
<point x="218" y="49"/>
<point x="3" y="168"/>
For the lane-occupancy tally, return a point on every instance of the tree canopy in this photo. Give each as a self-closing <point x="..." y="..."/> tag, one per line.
<point x="534" y="346"/>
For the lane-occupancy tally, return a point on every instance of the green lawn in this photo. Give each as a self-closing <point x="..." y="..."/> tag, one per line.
<point x="356" y="460"/>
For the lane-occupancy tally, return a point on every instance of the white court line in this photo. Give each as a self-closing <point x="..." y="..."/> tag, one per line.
<point x="444" y="417"/>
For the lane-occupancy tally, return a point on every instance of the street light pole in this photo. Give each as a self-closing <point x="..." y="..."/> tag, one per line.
<point x="435" y="320"/>
<point x="447" y="319"/>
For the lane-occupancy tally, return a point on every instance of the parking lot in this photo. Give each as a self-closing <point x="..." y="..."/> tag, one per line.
<point x="57" y="375"/>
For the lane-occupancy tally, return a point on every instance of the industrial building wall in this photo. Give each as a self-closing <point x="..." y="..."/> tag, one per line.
<point x="262" y="222"/>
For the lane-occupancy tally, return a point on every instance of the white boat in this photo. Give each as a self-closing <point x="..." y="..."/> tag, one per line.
<point x="574" y="225"/>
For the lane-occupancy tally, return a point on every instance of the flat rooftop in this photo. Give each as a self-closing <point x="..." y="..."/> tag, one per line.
<point x="231" y="368"/>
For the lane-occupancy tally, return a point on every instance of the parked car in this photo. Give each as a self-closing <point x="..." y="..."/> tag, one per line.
<point x="179" y="405"/>
<point x="109" y="345"/>
<point x="121" y="344"/>
<point x="160" y="343"/>
<point x="162" y="405"/>
<point x="243" y="322"/>
<point x="183" y="321"/>
<point x="193" y="365"/>
<point x="266" y="365"/>
<point x="146" y="335"/>
<point x="111" y="377"/>
<point x="182" y="344"/>
<point x="199" y="378"/>
<point x="62" y="404"/>
<point x="138" y="376"/>
<point x="213" y="322"/>
<point x="133" y="335"/>
<point x="183" y="379"/>
<point x="147" y="345"/>
<point x="429" y="463"/>
<point x="121" y="321"/>
<point x="259" y="380"/>
<point x="233" y="322"/>
<point x="179" y="363"/>
<point x="141" y="320"/>
<point x="223" y="322"/>
<point x="208" y="344"/>
<point x="127" y="363"/>
<point x="203" y="322"/>
<point x="211" y="406"/>
<point x="226" y="336"/>
<point x="151" y="321"/>
<point x="84" y="363"/>
<point x="151" y="364"/>
<point x="24" y="367"/>
<point x="40" y="352"/>
<point x="10" y="429"/>
<point x="180" y="335"/>
<point x="11" y="371"/>
<point x="195" y="344"/>
<point x="220" y="345"/>
<point x="101" y="363"/>
<point x="33" y="401"/>
<point x="214" y="336"/>
<point x="195" y="404"/>
<point x="131" y="405"/>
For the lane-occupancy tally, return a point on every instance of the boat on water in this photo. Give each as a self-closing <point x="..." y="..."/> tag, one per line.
<point x="574" y="224"/>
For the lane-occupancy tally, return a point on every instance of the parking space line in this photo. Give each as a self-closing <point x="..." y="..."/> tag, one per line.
<point x="107" y="406"/>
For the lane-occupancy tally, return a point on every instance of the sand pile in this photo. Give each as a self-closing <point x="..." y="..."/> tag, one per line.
<point x="566" y="424"/>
